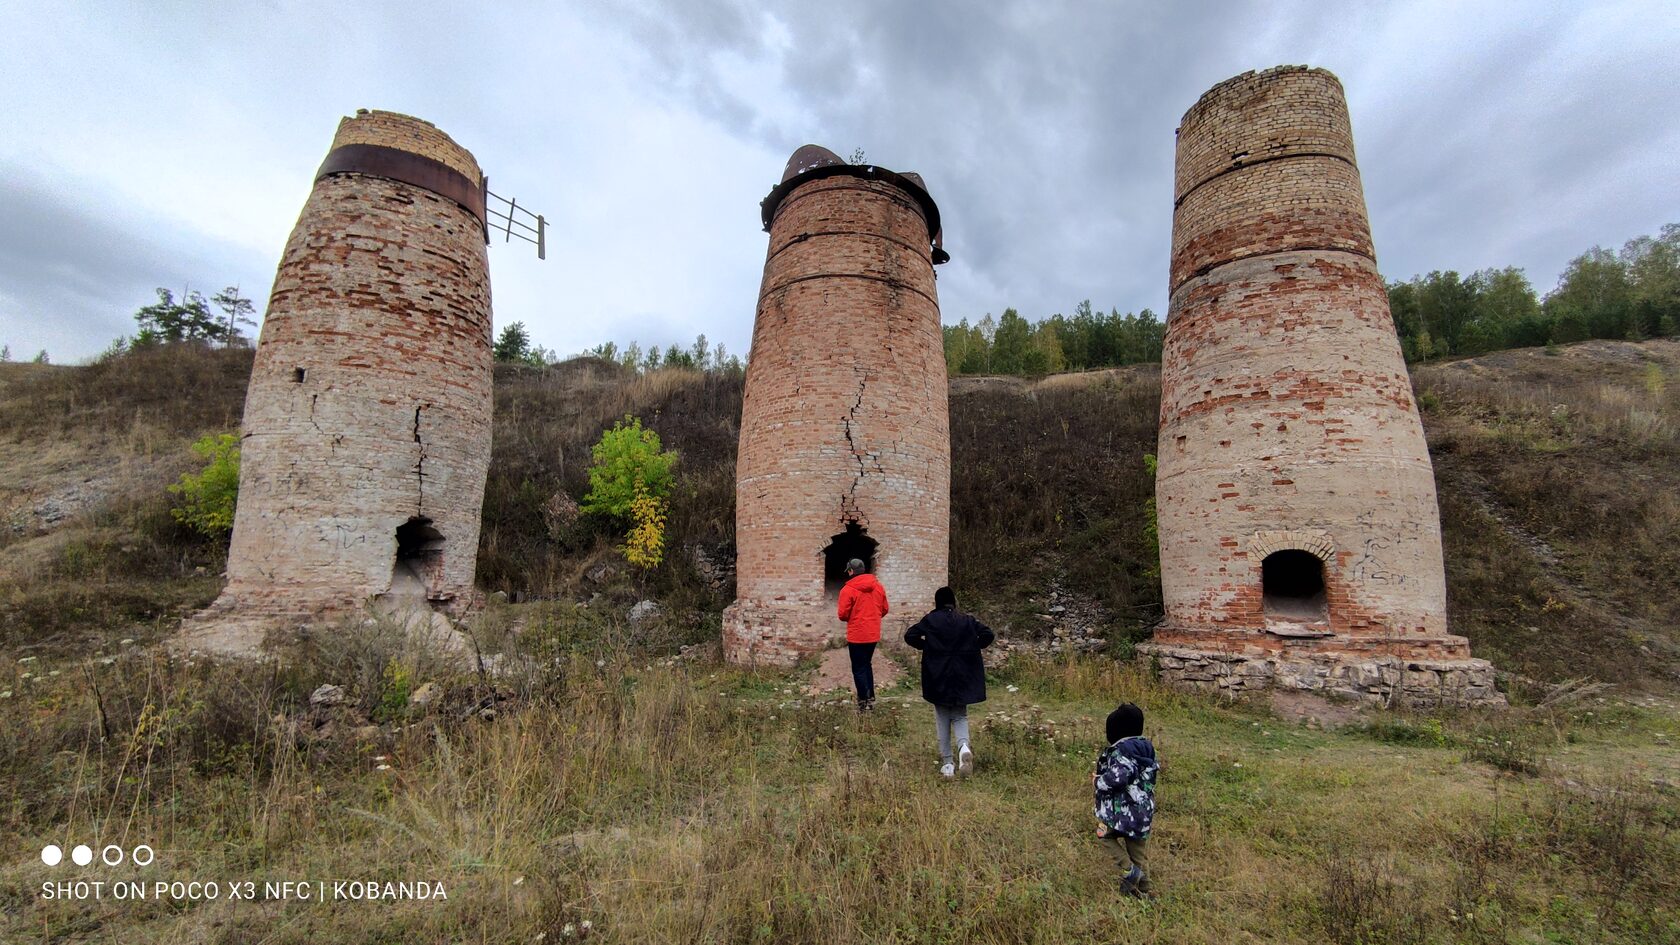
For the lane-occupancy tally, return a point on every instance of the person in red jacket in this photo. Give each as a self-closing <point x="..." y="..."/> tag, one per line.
<point x="863" y="602"/>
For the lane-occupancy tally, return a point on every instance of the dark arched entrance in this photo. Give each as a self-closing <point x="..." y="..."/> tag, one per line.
<point x="854" y="542"/>
<point x="1292" y="585"/>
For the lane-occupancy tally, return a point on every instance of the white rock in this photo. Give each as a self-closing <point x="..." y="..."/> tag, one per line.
<point x="327" y="694"/>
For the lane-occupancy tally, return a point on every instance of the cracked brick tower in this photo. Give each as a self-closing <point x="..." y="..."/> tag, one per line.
<point x="1300" y="535"/>
<point x="845" y="448"/>
<point x="366" y="437"/>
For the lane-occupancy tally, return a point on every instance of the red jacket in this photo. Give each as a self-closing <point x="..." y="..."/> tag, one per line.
<point x="863" y="602"/>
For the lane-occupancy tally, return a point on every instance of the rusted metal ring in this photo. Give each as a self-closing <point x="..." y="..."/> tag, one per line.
<point x="909" y="185"/>
<point x="409" y="168"/>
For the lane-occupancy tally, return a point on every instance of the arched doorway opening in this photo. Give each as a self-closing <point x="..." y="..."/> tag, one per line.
<point x="1292" y="585"/>
<point x="854" y="542"/>
<point x="419" y="563"/>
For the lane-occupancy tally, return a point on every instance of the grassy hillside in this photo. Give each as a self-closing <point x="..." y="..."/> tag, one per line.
<point x="666" y="797"/>
<point x="1559" y="472"/>
<point x="1559" y="475"/>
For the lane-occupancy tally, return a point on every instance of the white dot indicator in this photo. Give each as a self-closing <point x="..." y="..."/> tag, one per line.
<point x="51" y="854"/>
<point x="110" y="851"/>
<point x="149" y="855"/>
<point x="82" y="855"/>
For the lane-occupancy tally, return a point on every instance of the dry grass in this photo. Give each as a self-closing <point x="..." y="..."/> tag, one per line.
<point x="1559" y="479"/>
<point x="694" y="802"/>
<point x="1048" y="485"/>
<point x="181" y="389"/>
<point x="679" y="800"/>
<point x="546" y="422"/>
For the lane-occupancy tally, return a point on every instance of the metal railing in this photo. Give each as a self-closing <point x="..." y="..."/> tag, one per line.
<point x="514" y="222"/>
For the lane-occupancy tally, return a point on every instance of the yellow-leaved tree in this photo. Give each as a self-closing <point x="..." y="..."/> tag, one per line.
<point x="629" y="481"/>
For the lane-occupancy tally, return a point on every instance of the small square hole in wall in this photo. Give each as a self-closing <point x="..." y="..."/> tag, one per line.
<point x="297" y="375"/>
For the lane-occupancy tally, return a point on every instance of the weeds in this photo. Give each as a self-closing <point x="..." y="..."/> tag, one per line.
<point x="1363" y="902"/>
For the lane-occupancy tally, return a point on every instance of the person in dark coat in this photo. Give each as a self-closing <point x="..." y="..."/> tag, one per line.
<point x="953" y="676"/>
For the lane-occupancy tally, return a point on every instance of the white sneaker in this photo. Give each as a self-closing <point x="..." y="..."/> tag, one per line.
<point x="947" y="770"/>
<point x="965" y="760"/>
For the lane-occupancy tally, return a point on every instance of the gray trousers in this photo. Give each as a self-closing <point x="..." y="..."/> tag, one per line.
<point x="950" y="720"/>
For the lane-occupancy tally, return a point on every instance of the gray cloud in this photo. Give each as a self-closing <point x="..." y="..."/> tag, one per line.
<point x="1488" y="134"/>
<point x="72" y="276"/>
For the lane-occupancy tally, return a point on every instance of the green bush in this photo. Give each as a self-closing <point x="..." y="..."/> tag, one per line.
<point x="628" y="461"/>
<point x="208" y="497"/>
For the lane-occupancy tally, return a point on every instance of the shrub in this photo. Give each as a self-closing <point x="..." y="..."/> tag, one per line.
<point x="628" y="462"/>
<point x="645" y="545"/>
<point x="1363" y="902"/>
<point x="396" y="685"/>
<point x="209" y="496"/>
<point x="630" y="479"/>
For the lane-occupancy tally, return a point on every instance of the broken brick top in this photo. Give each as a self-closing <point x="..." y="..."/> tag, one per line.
<point x="813" y="162"/>
<point x="1289" y="111"/>
<point x="1265" y="165"/>
<point x="407" y="133"/>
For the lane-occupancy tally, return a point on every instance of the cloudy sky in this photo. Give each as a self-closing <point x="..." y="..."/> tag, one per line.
<point x="172" y="144"/>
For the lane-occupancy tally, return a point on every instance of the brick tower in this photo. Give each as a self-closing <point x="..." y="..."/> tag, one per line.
<point x="845" y="445"/>
<point x="1300" y="537"/>
<point x="367" y="421"/>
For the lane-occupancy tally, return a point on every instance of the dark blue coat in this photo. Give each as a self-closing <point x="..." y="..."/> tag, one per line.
<point x="1125" y="786"/>
<point x="951" y="641"/>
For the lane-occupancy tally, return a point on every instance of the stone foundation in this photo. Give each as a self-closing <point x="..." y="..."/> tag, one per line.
<point x="782" y="633"/>
<point x="1374" y="679"/>
<point x="767" y="634"/>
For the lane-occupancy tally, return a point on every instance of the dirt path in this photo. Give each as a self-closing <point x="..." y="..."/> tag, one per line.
<point x="835" y="672"/>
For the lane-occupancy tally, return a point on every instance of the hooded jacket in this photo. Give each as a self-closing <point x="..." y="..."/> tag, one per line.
<point x="952" y="670"/>
<point x="1125" y="786"/>
<point x="863" y="602"/>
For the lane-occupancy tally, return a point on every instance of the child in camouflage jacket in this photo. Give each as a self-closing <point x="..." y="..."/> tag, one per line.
<point x="1125" y="796"/>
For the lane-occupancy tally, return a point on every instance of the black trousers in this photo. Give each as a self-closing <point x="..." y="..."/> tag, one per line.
<point x="863" y="669"/>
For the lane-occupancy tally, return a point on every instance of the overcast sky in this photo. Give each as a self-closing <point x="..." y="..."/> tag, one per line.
<point x="172" y="144"/>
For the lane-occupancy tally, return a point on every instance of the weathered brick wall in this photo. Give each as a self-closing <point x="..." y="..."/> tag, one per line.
<point x="1287" y="419"/>
<point x="845" y="416"/>
<point x="370" y="397"/>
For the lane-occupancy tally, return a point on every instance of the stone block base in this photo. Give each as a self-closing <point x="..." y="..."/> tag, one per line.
<point x="775" y="634"/>
<point x="781" y="633"/>
<point x="1383" y="680"/>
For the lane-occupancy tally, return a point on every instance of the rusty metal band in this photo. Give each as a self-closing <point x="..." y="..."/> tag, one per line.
<point x="917" y="192"/>
<point x="408" y="168"/>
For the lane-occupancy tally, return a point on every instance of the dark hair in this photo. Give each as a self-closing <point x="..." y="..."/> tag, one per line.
<point x="1124" y="722"/>
<point x="944" y="597"/>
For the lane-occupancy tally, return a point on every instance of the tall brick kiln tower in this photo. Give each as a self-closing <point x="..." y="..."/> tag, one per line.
<point x="367" y="421"/>
<point x="1300" y="537"/>
<point x="845" y="434"/>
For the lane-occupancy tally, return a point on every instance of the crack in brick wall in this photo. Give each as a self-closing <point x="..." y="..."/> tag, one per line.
<point x="845" y="417"/>
<point x="369" y="402"/>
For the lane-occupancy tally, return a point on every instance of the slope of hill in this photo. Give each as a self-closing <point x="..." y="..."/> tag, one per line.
<point x="1559" y="476"/>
